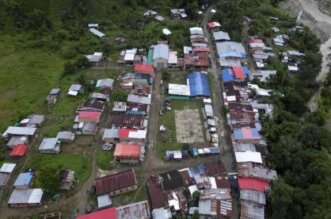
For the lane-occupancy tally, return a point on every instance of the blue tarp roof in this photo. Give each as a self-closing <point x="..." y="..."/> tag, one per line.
<point x="23" y="179"/>
<point x="201" y="169"/>
<point x="228" y="75"/>
<point x="199" y="84"/>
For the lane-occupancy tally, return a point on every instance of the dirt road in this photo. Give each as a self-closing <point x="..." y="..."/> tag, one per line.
<point x="227" y="157"/>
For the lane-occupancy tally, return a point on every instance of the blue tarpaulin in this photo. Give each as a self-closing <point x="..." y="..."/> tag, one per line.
<point x="199" y="84"/>
<point x="228" y="75"/>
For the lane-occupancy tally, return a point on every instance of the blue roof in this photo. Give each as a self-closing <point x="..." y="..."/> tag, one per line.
<point x="225" y="54"/>
<point x="201" y="169"/>
<point x="199" y="84"/>
<point x="215" y="150"/>
<point x="252" y="133"/>
<point x="195" y="151"/>
<point x="228" y="75"/>
<point x="23" y="179"/>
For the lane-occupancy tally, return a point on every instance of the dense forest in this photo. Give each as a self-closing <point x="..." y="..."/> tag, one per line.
<point x="299" y="145"/>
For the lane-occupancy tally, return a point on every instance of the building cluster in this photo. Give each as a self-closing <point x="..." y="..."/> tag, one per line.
<point x="203" y="190"/>
<point x="245" y="104"/>
<point x="127" y="130"/>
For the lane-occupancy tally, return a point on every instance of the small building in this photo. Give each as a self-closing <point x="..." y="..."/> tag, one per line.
<point x="221" y="36"/>
<point x="97" y="96"/>
<point x="91" y="106"/>
<point x="161" y="213"/>
<point x="50" y="146"/>
<point x="19" y="150"/>
<point x="17" y="140"/>
<point x="75" y="89"/>
<point x="52" y="96"/>
<point x="86" y="116"/>
<point x="196" y="31"/>
<point x="97" y="33"/>
<point x="101" y="214"/>
<point x="105" y="83"/>
<point x="119" y="107"/>
<point x="110" y="135"/>
<point x="248" y="156"/>
<point x="166" y="31"/>
<point x="23" y="180"/>
<point x="19" y="131"/>
<point x="161" y="56"/>
<point x="159" y="18"/>
<point x="246" y="183"/>
<point x="128" y="152"/>
<point x="66" y="136"/>
<point x="171" y="180"/>
<point x="25" y="198"/>
<point x="95" y="58"/>
<point x="140" y="99"/>
<point x="144" y="68"/>
<point x="214" y="25"/>
<point x="137" y="210"/>
<point x="67" y="178"/>
<point x="132" y="135"/>
<point x="6" y="171"/>
<point x="93" y="25"/>
<point x="116" y="183"/>
<point x="104" y="201"/>
<point x="209" y="112"/>
<point x="199" y="85"/>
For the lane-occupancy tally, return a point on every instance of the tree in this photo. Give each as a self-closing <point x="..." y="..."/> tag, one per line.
<point x="69" y="68"/>
<point x="196" y="197"/>
<point x="119" y="95"/>
<point x="82" y="62"/>
<point x="49" y="180"/>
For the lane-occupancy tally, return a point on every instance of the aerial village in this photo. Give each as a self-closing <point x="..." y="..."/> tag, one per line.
<point x="209" y="119"/>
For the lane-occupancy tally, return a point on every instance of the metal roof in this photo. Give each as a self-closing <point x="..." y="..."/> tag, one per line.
<point x="137" y="210"/>
<point x="110" y="133"/>
<point x="24" y="131"/>
<point x="199" y="84"/>
<point x="104" y="201"/>
<point x="7" y="167"/>
<point x="49" y="144"/>
<point x="26" y="196"/>
<point x="23" y="179"/>
<point x="248" y="156"/>
<point x="221" y="35"/>
<point x="161" y="51"/>
<point x="97" y="32"/>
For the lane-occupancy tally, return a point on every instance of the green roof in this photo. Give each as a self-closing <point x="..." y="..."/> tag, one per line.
<point x="150" y="56"/>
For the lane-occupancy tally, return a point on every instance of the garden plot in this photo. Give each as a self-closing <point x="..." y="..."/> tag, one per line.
<point x="188" y="126"/>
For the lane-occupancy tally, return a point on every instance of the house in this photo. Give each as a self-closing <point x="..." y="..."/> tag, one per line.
<point x="52" y="96"/>
<point x="95" y="58"/>
<point x="132" y="135"/>
<point x="65" y="136"/>
<point x="19" y="132"/>
<point x="116" y="183"/>
<point x="144" y="68"/>
<point x="221" y="36"/>
<point x="161" y="213"/>
<point x="119" y="107"/>
<point x="108" y="213"/>
<point x="96" y="96"/>
<point x="196" y="31"/>
<point x="214" y="25"/>
<point x="137" y="210"/>
<point x="88" y="128"/>
<point x="104" y="201"/>
<point x="128" y="120"/>
<point x="171" y="180"/>
<point x="19" y="150"/>
<point x="253" y="196"/>
<point x="137" y="109"/>
<point x="17" y="140"/>
<point x="110" y="135"/>
<point x="75" y="89"/>
<point x="86" y="116"/>
<point x="25" y="198"/>
<point x="128" y="152"/>
<point x="155" y="191"/>
<point x="23" y="180"/>
<point x="139" y="99"/>
<point x="234" y="73"/>
<point x="248" y="156"/>
<point x="105" y="83"/>
<point x="6" y="171"/>
<point x="50" y="146"/>
<point x="246" y="135"/>
<point x="231" y="53"/>
<point x="249" y="170"/>
<point x="178" y="13"/>
<point x="251" y="210"/>
<point x="93" y="25"/>
<point x="246" y="183"/>
<point x="97" y="32"/>
<point x="67" y="179"/>
<point x="91" y="106"/>
<point x="161" y="56"/>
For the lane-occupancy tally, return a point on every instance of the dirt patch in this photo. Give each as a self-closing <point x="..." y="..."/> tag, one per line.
<point x="188" y="126"/>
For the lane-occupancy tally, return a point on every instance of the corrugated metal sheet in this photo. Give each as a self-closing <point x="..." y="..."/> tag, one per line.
<point x="199" y="84"/>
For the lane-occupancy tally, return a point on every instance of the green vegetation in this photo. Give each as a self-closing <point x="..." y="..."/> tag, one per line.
<point x="105" y="159"/>
<point x="167" y="141"/>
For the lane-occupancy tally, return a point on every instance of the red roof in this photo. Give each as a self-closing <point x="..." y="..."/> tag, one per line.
<point x="115" y="182"/>
<point x="124" y="132"/>
<point x="89" y="116"/>
<point x="238" y="72"/>
<point x="127" y="150"/>
<point x="144" y="69"/>
<point x="213" y="24"/>
<point x="109" y="213"/>
<point x="253" y="184"/>
<point x="19" y="150"/>
<point x="254" y="40"/>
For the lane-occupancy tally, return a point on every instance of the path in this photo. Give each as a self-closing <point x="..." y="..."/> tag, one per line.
<point x="310" y="7"/>
<point x="227" y="157"/>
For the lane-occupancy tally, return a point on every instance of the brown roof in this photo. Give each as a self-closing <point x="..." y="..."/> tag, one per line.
<point x="115" y="182"/>
<point x="215" y="168"/>
<point x="222" y="182"/>
<point x="187" y="180"/>
<point x="157" y="197"/>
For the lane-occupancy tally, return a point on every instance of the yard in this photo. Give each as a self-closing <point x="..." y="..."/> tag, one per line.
<point x="168" y="140"/>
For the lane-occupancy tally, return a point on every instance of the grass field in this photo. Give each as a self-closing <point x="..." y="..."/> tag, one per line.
<point x="168" y="140"/>
<point x="104" y="159"/>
